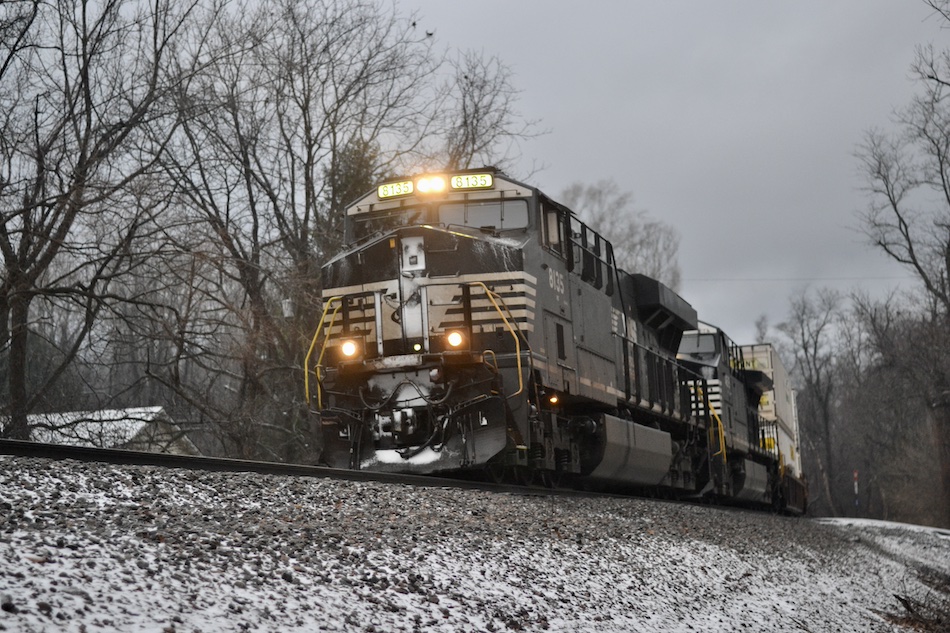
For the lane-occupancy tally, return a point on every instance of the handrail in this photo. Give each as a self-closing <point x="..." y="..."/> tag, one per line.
<point x="491" y="297"/>
<point x="493" y="356"/>
<point x="313" y="344"/>
<point x="720" y="427"/>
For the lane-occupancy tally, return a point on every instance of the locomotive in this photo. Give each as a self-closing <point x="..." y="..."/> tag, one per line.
<point x="472" y="324"/>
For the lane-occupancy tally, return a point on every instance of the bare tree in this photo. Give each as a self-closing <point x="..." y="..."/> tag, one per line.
<point x="84" y="89"/>
<point x="889" y="426"/>
<point x="908" y="218"/>
<point x="641" y="244"/>
<point x="860" y="407"/>
<point x="482" y="126"/>
<point x="304" y="107"/>
<point x="172" y="171"/>
<point x="811" y="329"/>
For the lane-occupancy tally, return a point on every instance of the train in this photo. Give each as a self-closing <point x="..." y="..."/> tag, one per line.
<point x="474" y="326"/>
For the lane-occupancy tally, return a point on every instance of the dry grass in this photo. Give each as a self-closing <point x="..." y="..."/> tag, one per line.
<point x="928" y="613"/>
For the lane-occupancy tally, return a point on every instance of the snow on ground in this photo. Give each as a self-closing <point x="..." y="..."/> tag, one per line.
<point x="916" y="545"/>
<point x="91" y="547"/>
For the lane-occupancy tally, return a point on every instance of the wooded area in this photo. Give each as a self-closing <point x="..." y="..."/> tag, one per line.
<point x="173" y="175"/>
<point x="871" y="424"/>
<point x="874" y="374"/>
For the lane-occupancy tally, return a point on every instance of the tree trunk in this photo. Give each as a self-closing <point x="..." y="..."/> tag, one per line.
<point x="941" y="430"/>
<point x="829" y="472"/>
<point x="823" y="478"/>
<point x="19" y="428"/>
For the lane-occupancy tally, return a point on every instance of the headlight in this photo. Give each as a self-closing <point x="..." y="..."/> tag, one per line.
<point x="455" y="339"/>
<point x="350" y="348"/>
<point x="430" y="184"/>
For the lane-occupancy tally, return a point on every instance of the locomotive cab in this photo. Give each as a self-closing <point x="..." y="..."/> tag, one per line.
<point x="743" y="463"/>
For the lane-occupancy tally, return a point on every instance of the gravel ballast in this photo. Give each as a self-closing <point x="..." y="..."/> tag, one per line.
<point x="96" y="547"/>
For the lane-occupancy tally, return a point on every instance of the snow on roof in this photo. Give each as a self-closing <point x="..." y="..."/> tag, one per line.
<point x="141" y="427"/>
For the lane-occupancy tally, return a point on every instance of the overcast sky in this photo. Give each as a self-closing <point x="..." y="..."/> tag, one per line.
<point x="736" y="122"/>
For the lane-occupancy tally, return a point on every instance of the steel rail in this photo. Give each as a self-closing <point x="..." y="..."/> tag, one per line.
<point x="38" y="450"/>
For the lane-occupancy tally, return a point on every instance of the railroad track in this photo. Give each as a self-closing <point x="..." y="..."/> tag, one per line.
<point x="219" y="464"/>
<point x="40" y="450"/>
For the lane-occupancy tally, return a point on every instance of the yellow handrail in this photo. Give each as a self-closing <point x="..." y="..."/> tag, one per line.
<point x="492" y="296"/>
<point x="719" y="426"/>
<point x="313" y="344"/>
<point x="514" y="335"/>
<point x="493" y="356"/>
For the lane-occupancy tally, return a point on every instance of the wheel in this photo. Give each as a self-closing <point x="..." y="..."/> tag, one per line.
<point x="497" y="471"/>
<point x="523" y="475"/>
<point x="551" y="478"/>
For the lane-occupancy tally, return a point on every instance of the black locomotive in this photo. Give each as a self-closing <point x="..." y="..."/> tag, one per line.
<point x="472" y="323"/>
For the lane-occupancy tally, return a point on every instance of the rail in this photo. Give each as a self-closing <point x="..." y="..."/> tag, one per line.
<point x="38" y="450"/>
<point x="200" y="463"/>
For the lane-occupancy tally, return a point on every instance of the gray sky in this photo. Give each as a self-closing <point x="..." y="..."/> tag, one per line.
<point x="734" y="121"/>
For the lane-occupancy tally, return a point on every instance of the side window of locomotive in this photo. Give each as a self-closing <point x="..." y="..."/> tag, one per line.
<point x="596" y="245"/>
<point x="553" y="230"/>
<point x="590" y="256"/>
<point x="574" y="240"/>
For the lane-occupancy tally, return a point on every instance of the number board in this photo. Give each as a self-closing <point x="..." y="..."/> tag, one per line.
<point x="473" y="181"/>
<point x="393" y="189"/>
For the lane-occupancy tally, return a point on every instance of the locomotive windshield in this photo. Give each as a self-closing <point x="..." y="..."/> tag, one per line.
<point x="500" y="215"/>
<point x="364" y="225"/>
<point x="497" y="215"/>
<point x="694" y="343"/>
